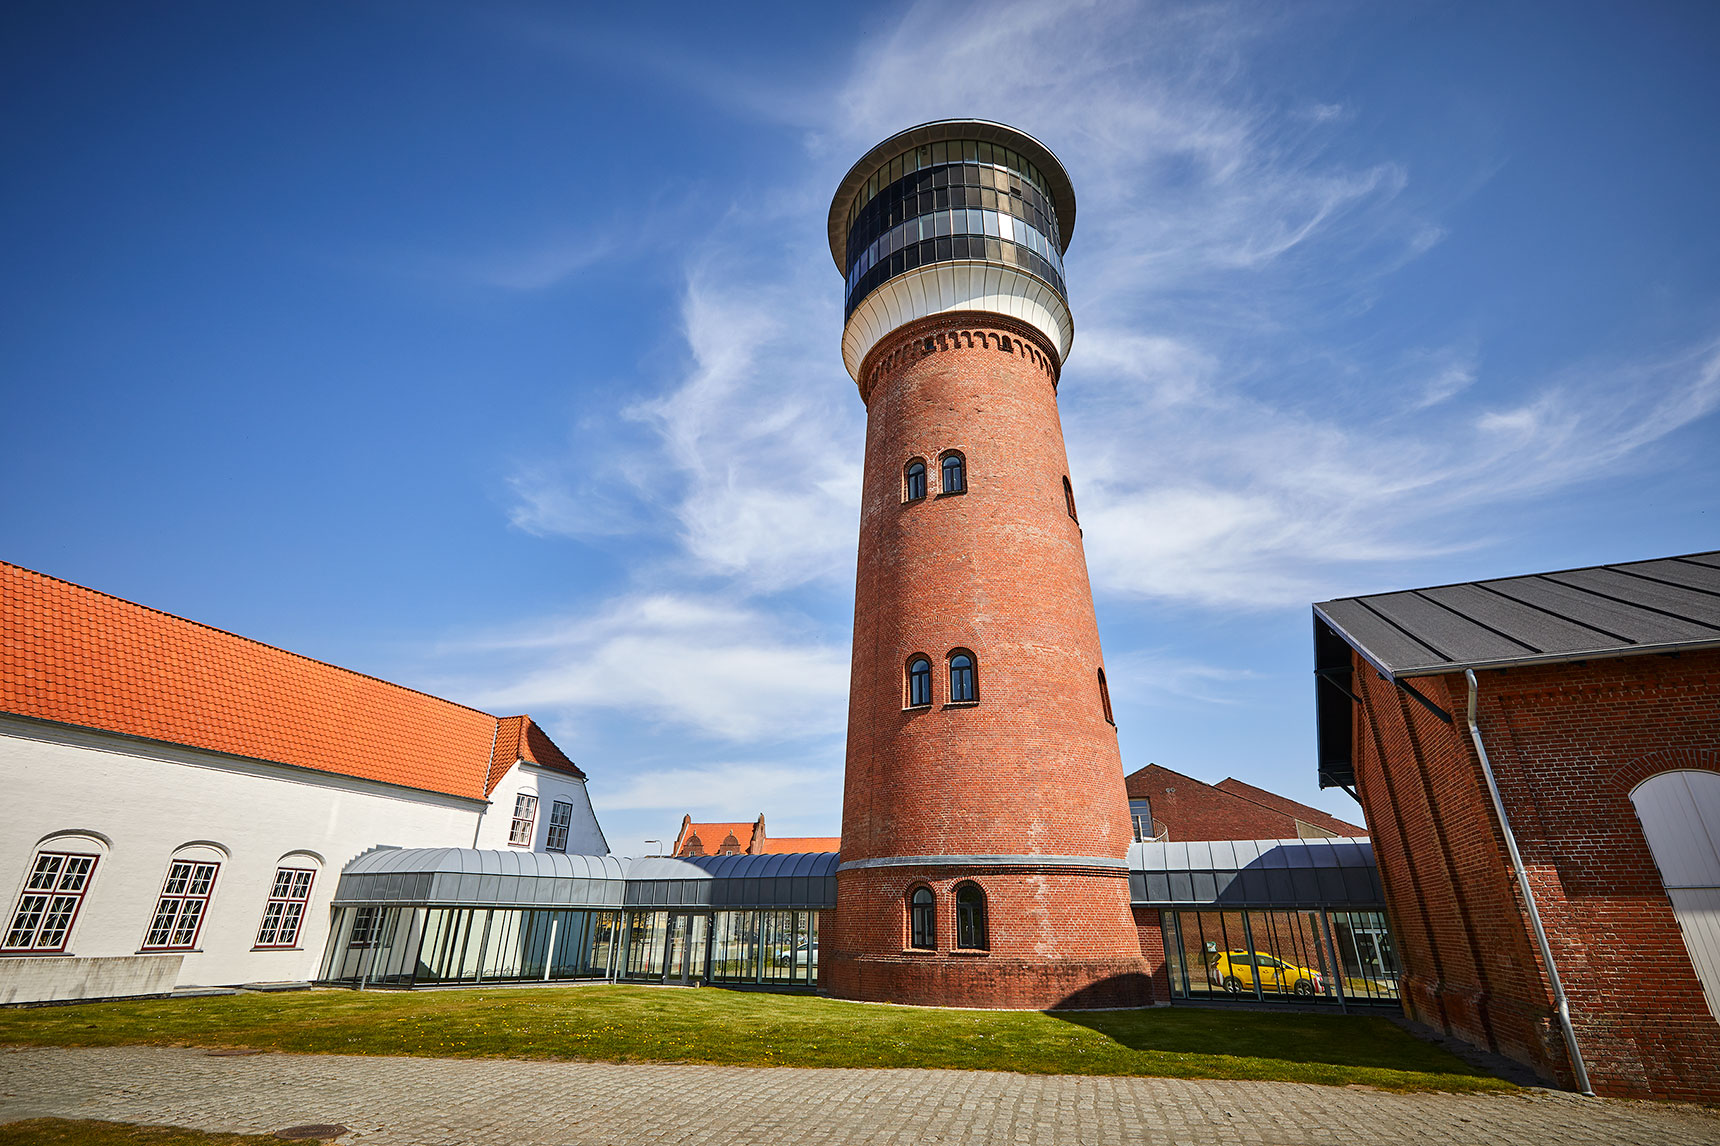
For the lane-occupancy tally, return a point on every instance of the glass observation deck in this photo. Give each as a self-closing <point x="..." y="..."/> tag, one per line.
<point x="959" y="197"/>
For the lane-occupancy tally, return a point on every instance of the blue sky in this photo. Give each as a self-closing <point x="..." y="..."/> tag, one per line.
<point x="494" y="349"/>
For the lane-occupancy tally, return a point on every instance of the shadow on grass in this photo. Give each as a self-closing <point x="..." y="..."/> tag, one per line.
<point x="1300" y="1037"/>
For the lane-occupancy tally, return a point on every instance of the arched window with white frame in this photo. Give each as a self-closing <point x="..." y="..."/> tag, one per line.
<point x="1680" y="815"/>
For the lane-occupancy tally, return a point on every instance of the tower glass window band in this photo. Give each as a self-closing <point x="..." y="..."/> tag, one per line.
<point x="955" y="474"/>
<point x="962" y="688"/>
<point x="970" y="918"/>
<point x="919" y="682"/>
<point x="916" y="474"/>
<point x="922" y="927"/>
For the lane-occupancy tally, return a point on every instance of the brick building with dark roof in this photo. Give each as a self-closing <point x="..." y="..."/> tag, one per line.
<point x="1539" y="758"/>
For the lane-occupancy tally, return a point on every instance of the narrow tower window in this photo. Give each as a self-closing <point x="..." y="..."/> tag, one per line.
<point x="1105" y="699"/>
<point x="922" y="929"/>
<point x="955" y="474"/>
<point x="962" y="690"/>
<point x="919" y="682"/>
<point x="970" y="918"/>
<point x="916" y="480"/>
<point x="1069" y="499"/>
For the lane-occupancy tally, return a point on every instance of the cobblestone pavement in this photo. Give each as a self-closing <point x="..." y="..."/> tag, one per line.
<point x="430" y="1102"/>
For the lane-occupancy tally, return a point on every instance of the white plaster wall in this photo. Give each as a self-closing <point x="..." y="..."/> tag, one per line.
<point x="148" y="800"/>
<point x="584" y="837"/>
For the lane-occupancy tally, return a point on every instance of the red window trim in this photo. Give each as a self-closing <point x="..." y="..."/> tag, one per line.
<point x="202" y="912"/>
<point x="51" y="894"/>
<point x="304" y="902"/>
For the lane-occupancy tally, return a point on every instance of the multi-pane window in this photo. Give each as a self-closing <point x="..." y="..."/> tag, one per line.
<point x="560" y="820"/>
<point x="919" y="682"/>
<point x="1105" y="698"/>
<point x="916" y="484"/>
<point x="970" y="917"/>
<point x="962" y="678"/>
<point x="184" y="901"/>
<point x="1141" y="815"/>
<point x="922" y="930"/>
<point x="525" y="817"/>
<point x="50" y="902"/>
<point x="285" y="911"/>
<point x="955" y="474"/>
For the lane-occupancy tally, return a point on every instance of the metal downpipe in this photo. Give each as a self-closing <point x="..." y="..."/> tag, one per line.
<point x="1561" y="1004"/>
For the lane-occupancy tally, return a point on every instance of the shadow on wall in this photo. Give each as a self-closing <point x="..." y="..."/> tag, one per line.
<point x="1132" y="989"/>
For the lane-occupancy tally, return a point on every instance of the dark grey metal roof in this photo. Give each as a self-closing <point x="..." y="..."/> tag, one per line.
<point x="1573" y="614"/>
<point x="802" y="879"/>
<point x="473" y="878"/>
<point x="466" y="877"/>
<point x="1271" y="874"/>
<point x="937" y="131"/>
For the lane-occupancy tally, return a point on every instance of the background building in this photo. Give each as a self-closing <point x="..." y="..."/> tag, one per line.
<point x="1572" y="719"/>
<point x="729" y="839"/>
<point x="181" y="800"/>
<point x="1167" y="805"/>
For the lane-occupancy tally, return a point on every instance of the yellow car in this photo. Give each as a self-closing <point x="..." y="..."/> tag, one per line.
<point x="1236" y="970"/>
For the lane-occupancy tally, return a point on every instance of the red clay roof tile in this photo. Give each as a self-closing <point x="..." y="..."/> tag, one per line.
<point x="75" y="656"/>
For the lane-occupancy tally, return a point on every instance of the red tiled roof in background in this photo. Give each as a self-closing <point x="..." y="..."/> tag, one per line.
<point x="747" y="839"/>
<point x="1289" y="807"/>
<point x="75" y="656"/>
<point x="708" y="839"/>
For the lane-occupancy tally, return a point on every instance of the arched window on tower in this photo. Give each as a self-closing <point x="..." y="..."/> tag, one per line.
<point x="922" y="925"/>
<point x="1105" y="699"/>
<point x="970" y="918"/>
<point x="954" y="473"/>
<point x="964" y="687"/>
<point x="1069" y="499"/>
<point x="916" y="480"/>
<point x="919" y="682"/>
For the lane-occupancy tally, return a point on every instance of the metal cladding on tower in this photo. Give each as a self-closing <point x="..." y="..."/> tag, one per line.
<point x="985" y="822"/>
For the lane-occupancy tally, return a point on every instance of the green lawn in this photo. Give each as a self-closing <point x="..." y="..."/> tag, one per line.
<point x="84" y="1132"/>
<point x="645" y="1024"/>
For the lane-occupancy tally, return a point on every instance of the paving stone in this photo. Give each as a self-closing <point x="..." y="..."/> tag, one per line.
<point x="471" y="1102"/>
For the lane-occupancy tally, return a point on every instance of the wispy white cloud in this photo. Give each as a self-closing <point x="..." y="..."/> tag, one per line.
<point x="703" y="664"/>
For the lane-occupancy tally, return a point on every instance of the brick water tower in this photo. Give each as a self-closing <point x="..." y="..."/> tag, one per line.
<point x="984" y="821"/>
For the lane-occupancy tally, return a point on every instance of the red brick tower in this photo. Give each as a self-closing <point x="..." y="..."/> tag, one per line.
<point x="984" y="821"/>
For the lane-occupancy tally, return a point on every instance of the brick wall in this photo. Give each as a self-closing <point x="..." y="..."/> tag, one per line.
<point x="1189" y="809"/>
<point x="1056" y="938"/>
<point x="1033" y="767"/>
<point x="1568" y="743"/>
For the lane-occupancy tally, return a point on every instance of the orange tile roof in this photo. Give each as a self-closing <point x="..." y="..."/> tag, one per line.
<point x="75" y="656"/>
<point x="788" y="844"/>
<point x="711" y="837"/>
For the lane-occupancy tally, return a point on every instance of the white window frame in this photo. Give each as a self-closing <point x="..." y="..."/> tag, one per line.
<point x="520" y="832"/>
<point x="289" y="901"/>
<point x="49" y="904"/>
<point x="560" y="823"/>
<point x="185" y="895"/>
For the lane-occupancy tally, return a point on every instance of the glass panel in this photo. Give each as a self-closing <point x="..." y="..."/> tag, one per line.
<point x="1366" y="954"/>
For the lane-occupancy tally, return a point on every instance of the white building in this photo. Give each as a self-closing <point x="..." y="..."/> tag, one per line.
<point x="181" y="800"/>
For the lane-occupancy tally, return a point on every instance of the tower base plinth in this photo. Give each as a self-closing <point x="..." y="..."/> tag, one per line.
<point x="1053" y="937"/>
